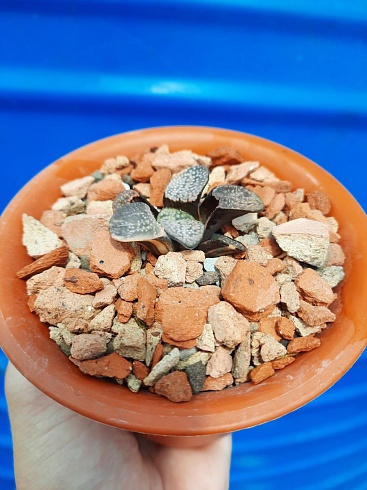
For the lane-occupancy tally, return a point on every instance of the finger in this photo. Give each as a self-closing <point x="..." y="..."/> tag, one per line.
<point x="20" y="392"/>
<point x="208" y="466"/>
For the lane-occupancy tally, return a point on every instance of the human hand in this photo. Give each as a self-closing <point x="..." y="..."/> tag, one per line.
<point x="55" y="448"/>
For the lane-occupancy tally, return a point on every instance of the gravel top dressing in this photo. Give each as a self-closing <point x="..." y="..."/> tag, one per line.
<point x="179" y="273"/>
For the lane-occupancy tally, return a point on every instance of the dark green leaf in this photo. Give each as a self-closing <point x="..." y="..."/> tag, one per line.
<point x="226" y="202"/>
<point x="185" y="189"/>
<point x="221" y="245"/>
<point x="135" y="222"/>
<point x="181" y="227"/>
<point x="174" y="214"/>
<point x="125" y="197"/>
<point x="130" y="196"/>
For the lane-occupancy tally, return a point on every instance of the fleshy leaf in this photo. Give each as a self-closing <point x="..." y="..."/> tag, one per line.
<point x="181" y="227"/>
<point x="130" y="196"/>
<point x="226" y="202"/>
<point x="221" y="245"/>
<point x="135" y="222"/>
<point x="174" y="214"/>
<point x="185" y="188"/>
<point x="125" y="197"/>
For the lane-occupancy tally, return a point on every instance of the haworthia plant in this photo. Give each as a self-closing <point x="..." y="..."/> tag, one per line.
<point x="187" y="220"/>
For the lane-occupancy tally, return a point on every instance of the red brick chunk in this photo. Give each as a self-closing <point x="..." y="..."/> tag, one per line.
<point x="183" y="311"/>
<point x="261" y="372"/>
<point x="303" y="344"/>
<point x="82" y="282"/>
<point x="110" y="366"/>
<point x="251" y="289"/>
<point x="58" y="257"/>
<point x="174" y="386"/>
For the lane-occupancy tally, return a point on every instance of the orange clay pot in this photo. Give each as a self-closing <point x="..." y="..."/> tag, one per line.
<point x="26" y="342"/>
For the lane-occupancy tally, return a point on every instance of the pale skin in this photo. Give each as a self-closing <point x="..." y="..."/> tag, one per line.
<point x="57" y="449"/>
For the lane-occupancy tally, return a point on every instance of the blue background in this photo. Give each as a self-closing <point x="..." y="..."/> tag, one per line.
<point x="73" y="71"/>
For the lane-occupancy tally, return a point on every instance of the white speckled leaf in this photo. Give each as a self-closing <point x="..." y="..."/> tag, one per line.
<point x="187" y="185"/>
<point x="134" y="222"/>
<point x="188" y="232"/>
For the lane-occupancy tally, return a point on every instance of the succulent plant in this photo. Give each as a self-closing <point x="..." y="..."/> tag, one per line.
<point x="189" y="219"/>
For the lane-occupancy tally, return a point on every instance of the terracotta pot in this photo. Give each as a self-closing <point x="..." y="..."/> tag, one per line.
<point x="25" y="339"/>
